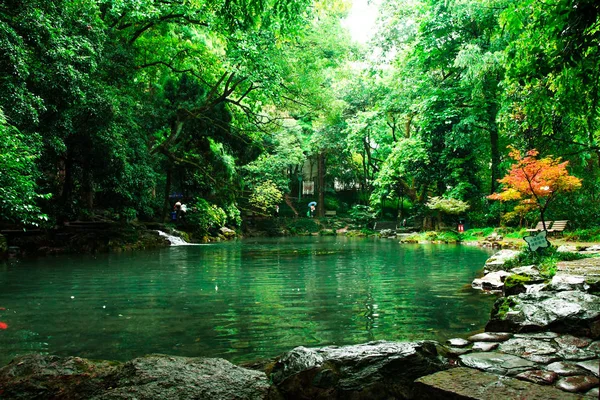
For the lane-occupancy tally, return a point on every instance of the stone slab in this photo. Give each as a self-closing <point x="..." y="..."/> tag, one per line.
<point x="491" y="337"/>
<point x="465" y="383"/>
<point x="497" y="363"/>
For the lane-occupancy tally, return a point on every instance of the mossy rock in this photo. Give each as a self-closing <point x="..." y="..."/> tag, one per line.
<point x="515" y="284"/>
<point x="502" y="306"/>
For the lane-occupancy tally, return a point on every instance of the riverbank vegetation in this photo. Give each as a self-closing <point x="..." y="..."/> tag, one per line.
<point x="114" y="110"/>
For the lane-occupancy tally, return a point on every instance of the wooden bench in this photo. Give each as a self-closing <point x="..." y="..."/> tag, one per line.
<point x="330" y="213"/>
<point x="540" y="227"/>
<point x="558" y="227"/>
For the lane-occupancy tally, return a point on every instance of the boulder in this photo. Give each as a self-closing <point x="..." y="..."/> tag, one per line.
<point x="572" y="312"/>
<point x="150" y="377"/>
<point x="468" y="384"/>
<point x="226" y="232"/>
<point x="375" y="370"/>
<point x="496" y="262"/>
<point x="493" y="281"/>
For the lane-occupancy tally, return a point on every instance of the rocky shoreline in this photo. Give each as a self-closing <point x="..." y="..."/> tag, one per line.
<point x="542" y="343"/>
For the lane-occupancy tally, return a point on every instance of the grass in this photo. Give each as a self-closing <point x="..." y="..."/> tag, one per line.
<point x="546" y="259"/>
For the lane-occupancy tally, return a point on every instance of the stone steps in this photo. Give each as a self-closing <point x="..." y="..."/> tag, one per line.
<point x="470" y="384"/>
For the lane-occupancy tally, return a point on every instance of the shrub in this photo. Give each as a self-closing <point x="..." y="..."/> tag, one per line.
<point x="205" y="216"/>
<point x="362" y="215"/>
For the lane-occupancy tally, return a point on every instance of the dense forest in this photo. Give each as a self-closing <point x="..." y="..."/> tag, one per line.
<point x="117" y="108"/>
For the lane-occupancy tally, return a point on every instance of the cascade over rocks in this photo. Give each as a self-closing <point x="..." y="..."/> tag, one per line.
<point x="375" y="370"/>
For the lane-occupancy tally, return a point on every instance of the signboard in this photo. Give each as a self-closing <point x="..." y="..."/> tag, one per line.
<point x="538" y="241"/>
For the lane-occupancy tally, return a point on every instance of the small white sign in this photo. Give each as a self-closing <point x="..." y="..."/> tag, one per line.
<point x="538" y="241"/>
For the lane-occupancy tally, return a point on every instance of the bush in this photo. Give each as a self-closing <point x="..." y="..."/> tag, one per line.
<point x="362" y="215"/>
<point x="205" y="216"/>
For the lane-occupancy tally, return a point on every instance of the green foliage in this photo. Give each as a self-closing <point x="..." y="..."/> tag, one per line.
<point x="234" y="216"/>
<point x="447" y="205"/>
<point x="362" y="215"/>
<point x="303" y="226"/>
<point x="583" y="235"/>
<point x="205" y="216"/>
<point x="265" y="196"/>
<point x="18" y="186"/>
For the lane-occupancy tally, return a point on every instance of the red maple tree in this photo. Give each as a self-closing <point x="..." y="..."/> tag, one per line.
<point x="536" y="182"/>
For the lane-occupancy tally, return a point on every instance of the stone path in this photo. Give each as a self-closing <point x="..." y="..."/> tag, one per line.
<point x="553" y="340"/>
<point x="566" y="362"/>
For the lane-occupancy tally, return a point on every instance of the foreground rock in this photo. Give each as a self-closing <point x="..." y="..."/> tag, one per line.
<point x="572" y="312"/>
<point x="376" y="370"/>
<point x="151" y="377"/>
<point x="465" y="383"/>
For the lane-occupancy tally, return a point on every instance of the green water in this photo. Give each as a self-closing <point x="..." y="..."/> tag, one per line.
<point x="241" y="301"/>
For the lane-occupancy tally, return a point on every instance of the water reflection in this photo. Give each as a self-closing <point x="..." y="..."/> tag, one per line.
<point x="241" y="301"/>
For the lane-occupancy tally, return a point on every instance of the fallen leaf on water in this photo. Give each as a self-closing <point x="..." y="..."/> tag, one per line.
<point x="3" y="325"/>
<point x="2" y="309"/>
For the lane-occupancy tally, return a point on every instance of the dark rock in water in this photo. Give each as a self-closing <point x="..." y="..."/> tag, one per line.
<point x="458" y="342"/>
<point x="468" y="384"/>
<point x="572" y="312"/>
<point x="577" y="384"/>
<point x="376" y="370"/>
<point x="491" y="337"/>
<point x="539" y="377"/>
<point x="151" y="377"/>
<point x="497" y="363"/>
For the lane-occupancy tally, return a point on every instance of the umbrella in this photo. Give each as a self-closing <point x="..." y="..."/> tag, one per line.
<point x="312" y="203"/>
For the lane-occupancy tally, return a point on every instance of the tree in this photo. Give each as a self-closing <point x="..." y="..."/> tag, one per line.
<point x="18" y="186"/>
<point x="536" y="181"/>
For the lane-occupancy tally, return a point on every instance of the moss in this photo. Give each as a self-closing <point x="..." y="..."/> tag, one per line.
<point x="503" y="306"/>
<point x="516" y="280"/>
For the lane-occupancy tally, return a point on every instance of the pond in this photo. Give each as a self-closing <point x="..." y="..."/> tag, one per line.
<point x="242" y="301"/>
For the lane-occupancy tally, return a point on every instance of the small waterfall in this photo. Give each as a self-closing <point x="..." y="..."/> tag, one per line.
<point x="175" y="240"/>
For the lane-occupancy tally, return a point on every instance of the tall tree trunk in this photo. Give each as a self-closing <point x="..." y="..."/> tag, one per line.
<point x="321" y="172"/>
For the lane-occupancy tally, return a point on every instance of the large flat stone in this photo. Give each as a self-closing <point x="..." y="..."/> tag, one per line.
<point x="497" y="363"/>
<point x="528" y="347"/>
<point x="468" y="384"/>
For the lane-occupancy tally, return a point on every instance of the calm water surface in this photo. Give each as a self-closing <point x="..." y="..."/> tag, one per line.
<point x="241" y="301"/>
